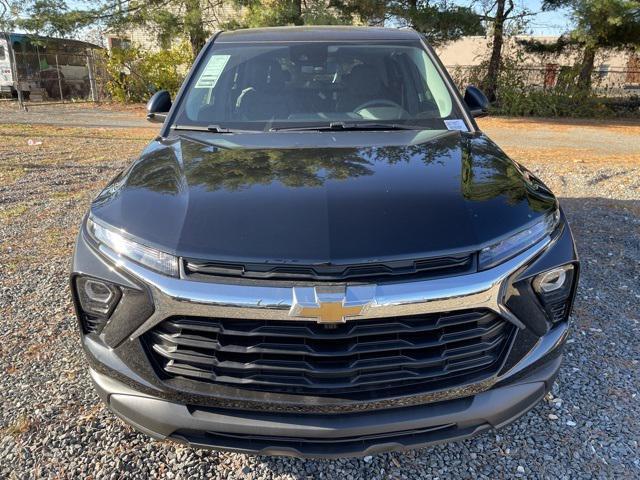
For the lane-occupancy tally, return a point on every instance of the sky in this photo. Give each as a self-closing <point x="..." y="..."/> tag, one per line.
<point x="546" y="23"/>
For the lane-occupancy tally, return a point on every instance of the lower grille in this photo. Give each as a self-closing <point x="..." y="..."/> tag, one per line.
<point x="92" y="324"/>
<point x="302" y="357"/>
<point x="329" y="447"/>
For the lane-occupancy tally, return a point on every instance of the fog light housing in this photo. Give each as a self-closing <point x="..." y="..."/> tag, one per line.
<point x="97" y="291"/>
<point x="552" y="280"/>
<point x="98" y="299"/>
<point x="554" y="289"/>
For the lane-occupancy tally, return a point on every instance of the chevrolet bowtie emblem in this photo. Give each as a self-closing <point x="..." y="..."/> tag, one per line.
<point x="326" y="308"/>
<point x="330" y="312"/>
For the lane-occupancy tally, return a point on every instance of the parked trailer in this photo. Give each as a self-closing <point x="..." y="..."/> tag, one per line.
<point x="6" y="79"/>
<point x="46" y="67"/>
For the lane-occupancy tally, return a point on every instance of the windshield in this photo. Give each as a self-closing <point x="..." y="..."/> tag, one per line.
<point x="276" y="85"/>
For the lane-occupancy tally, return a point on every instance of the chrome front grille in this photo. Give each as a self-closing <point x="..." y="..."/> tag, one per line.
<point x="301" y="357"/>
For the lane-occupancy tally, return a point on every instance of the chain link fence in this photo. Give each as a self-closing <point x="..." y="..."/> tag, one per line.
<point x="57" y="77"/>
<point x="556" y="90"/>
<point x="605" y="82"/>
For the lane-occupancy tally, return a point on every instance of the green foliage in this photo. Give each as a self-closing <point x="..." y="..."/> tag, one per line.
<point x="9" y="12"/>
<point x="440" y="21"/>
<point x="522" y="92"/>
<point x="367" y="12"/>
<point x="134" y="75"/>
<point x="273" y="13"/>
<point x="53" y="17"/>
<point x="602" y="23"/>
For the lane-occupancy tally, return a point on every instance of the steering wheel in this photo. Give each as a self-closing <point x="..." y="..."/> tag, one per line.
<point x="382" y="102"/>
<point x="379" y="102"/>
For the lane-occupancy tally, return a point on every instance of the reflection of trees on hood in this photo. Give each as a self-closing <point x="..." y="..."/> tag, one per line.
<point x="238" y="169"/>
<point x="485" y="172"/>
<point x="111" y="191"/>
<point x="438" y="150"/>
<point x="486" y="175"/>
<point x="234" y="169"/>
<point x="159" y="172"/>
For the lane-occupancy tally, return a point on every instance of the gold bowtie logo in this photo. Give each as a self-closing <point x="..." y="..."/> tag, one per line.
<point x="326" y="304"/>
<point x="330" y="312"/>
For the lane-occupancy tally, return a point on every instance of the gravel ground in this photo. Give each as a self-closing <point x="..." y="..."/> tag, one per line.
<point x="52" y="424"/>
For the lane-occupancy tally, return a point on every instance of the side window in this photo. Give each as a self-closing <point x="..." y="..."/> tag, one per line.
<point x="2" y="54"/>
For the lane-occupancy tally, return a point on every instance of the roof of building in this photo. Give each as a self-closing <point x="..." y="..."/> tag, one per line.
<point x="319" y="33"/>
<point x="16" y="36"/>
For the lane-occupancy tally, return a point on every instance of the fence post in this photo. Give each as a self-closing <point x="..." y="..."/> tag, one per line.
<point x="59" y="80"/>
<point x="16" y="78"/>
<point x="92" y="80"/>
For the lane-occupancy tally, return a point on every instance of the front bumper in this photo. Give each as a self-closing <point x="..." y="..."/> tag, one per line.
<point x="326" y="436"/>
<point x="219" y="416"/>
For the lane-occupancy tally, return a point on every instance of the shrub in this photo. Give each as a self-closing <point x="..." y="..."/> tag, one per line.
<point x="133" y="74"/>
<point x="524" y="91"/>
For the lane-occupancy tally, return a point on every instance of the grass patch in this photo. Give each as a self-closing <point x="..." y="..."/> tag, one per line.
<point x="11" y="174"/>
<point x="63" y="195"/>
<point x="55" y="240"/>
<point x="20" y="426"/>
<point x="8" y="214"/>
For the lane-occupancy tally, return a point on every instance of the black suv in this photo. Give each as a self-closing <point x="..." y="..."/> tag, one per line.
<point x="322" y="255"/>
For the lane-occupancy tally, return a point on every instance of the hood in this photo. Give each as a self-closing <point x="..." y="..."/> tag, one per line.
<point x="319" y="197"/>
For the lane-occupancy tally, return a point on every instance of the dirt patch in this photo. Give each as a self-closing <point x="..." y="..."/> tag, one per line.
<point x="627" y="127"/>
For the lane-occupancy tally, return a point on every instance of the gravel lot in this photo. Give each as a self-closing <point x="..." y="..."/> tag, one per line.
<point x="52" y="425"/>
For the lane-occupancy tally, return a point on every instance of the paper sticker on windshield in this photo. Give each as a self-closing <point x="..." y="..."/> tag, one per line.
<point x="212" y="71"/>
<point x="456" y="124"/>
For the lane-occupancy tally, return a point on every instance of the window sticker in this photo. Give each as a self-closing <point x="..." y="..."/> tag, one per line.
<point x="212" y="71"/>
<point x="456" y="124"/>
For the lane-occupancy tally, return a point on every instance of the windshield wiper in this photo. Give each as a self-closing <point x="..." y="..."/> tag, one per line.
<point x="209" y="128"/>
<point x="341" y="126"/>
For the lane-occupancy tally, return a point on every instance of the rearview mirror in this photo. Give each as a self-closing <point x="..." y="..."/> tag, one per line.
<point x="158" y="106"/>
<point x="477" y="101"/>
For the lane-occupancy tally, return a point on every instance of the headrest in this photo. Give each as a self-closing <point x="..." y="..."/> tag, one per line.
<point x="267" y="75"/>
<point x="365" y="79"/>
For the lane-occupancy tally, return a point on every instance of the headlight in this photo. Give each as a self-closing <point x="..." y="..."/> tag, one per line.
<point x="504" y="250"/>
<point x="117" y="241"/>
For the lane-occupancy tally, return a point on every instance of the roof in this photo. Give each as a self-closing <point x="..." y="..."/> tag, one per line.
<point x="316" y="33"/>
<point x="67" y="41"/>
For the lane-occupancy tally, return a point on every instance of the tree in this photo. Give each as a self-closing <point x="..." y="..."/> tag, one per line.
<point x="8" y="13"/>
<point x="168" y="18"/>
<point x="503" y="9"/>
<point x="600" y="24"/>
<point x="272" y="13"/>
<point x="499" y="13"/>
<point x="440" y="21"/>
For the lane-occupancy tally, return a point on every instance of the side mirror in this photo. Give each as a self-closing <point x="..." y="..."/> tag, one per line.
<point x="158" y="106"/>
<point x="477" y="101"/>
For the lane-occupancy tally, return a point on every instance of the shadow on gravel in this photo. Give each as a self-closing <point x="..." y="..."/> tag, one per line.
<point x="587" y="427"/>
